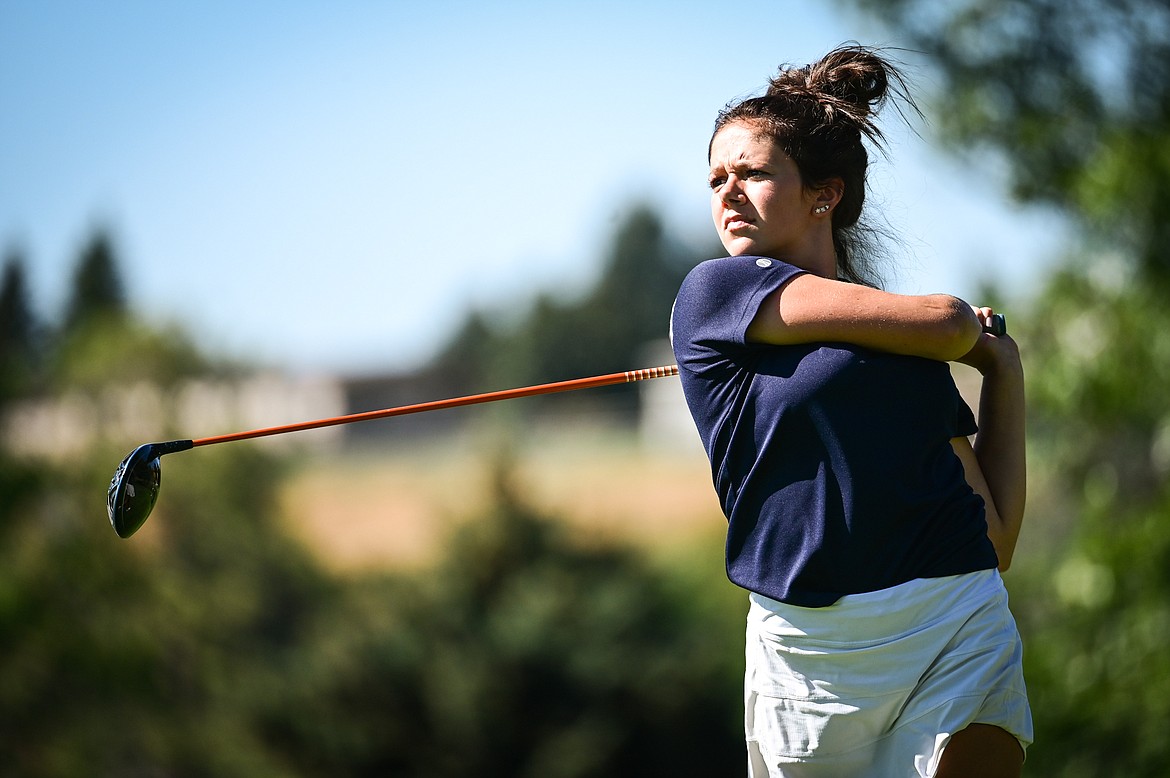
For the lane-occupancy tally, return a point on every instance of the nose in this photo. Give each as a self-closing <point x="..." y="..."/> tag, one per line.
<point x="731" y="191"/>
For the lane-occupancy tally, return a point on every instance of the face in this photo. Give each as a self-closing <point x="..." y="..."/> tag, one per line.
<point x="758" y="202"/>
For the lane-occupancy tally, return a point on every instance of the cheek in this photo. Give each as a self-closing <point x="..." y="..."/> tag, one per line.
<point x="765" y="200"/>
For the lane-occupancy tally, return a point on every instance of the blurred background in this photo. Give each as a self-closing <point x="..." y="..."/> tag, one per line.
<point x="216" y="217"/>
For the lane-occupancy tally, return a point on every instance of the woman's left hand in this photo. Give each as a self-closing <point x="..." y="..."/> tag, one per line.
<point x="991" y="353"/>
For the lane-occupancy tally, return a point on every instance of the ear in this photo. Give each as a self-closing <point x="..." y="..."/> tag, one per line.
<point x="827" y="196"/>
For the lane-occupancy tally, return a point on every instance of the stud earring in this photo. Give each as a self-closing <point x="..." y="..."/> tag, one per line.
<point x="821" y="209"/>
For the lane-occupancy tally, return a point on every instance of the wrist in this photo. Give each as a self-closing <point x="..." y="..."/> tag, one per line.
<point x="1001" y="361"/>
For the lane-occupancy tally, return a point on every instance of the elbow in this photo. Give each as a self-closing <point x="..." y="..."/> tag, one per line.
<point x="1003" y="542"/>
<point x="1004" y="551"/>
<point x="958" y="328"/>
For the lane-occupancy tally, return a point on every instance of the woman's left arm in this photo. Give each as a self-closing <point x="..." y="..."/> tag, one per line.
<point x="995" y="465"/>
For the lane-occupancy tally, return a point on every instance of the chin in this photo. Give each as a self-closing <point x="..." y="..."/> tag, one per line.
<point x="740" y="248"/>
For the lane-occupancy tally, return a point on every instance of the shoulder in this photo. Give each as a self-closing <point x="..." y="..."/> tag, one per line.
<point x="733" y="281"/>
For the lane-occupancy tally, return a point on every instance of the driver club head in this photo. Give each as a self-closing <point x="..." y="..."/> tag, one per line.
<point x="134" y="487"/>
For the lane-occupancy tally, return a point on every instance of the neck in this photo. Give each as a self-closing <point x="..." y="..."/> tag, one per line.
<point x="818" y="257"/>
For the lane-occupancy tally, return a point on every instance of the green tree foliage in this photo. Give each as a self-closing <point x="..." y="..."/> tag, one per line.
<point x="520" y="654"/>
<point x="148" y="658"/>
<point x="1099" y="355"/>
<point x="212" y="644"/>
<point x="20" y="332"/>
<point x="122" y="351"/>
<point x="1094" y="598"/>
<point x="1074" y="96"/>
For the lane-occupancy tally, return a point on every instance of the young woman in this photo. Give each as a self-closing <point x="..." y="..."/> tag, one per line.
<point x="868" y="529"/>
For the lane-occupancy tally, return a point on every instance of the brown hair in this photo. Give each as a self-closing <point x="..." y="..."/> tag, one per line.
<point x="819" y="116"/>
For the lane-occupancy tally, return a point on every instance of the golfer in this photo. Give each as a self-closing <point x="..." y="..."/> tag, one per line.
<point x="868" y="529"/>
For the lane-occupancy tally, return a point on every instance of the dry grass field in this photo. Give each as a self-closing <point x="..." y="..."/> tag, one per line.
<point x="394" y="508"/>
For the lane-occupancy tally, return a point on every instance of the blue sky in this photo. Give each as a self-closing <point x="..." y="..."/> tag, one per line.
<point x="330" y="186"/>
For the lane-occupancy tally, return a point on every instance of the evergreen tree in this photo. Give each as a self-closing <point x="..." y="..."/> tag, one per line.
<point x="97" y="291"/>
<point x="18" y="329"/>
<point x="604" y="331"/>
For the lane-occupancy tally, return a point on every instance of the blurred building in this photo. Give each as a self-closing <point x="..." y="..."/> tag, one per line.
<point x="68" y="425"/>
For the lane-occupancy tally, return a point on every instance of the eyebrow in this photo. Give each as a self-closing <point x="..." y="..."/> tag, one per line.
<point x="750" y="162"/>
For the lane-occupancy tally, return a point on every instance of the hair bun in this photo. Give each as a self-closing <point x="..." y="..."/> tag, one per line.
<point x="853" y="74"/>
<point x="849" y="85"/>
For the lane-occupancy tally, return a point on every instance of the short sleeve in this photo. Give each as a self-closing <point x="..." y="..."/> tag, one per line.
<point x="717" y="302"/>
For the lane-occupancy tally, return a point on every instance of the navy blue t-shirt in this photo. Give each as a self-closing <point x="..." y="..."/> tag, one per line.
<point x="832" y="462"/>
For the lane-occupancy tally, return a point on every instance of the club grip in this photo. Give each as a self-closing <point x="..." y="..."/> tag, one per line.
<point x="997" y="325"/>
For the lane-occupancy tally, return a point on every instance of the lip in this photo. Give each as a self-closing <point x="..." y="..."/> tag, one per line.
<point x="734" y="221"/>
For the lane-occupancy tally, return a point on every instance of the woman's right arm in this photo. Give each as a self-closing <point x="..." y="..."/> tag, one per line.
<point x="811" y="309"/>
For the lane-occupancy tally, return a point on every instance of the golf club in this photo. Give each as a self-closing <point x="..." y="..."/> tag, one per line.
<point x="135" y="485"/>
<point x="134" y="488"/>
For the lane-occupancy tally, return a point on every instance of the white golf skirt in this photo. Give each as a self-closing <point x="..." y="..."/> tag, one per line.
<point x="875" y="684"/>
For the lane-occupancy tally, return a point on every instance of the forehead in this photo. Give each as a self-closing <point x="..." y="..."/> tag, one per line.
<point x="740" y="140"/>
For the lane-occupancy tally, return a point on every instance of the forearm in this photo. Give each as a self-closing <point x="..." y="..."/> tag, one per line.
<point x="811" y="309"/>
<point x="1000" y="450"/>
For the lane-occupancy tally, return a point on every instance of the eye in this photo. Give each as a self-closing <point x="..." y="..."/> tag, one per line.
<point x="716" y="181"/>
<point x="757" y="173"/>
